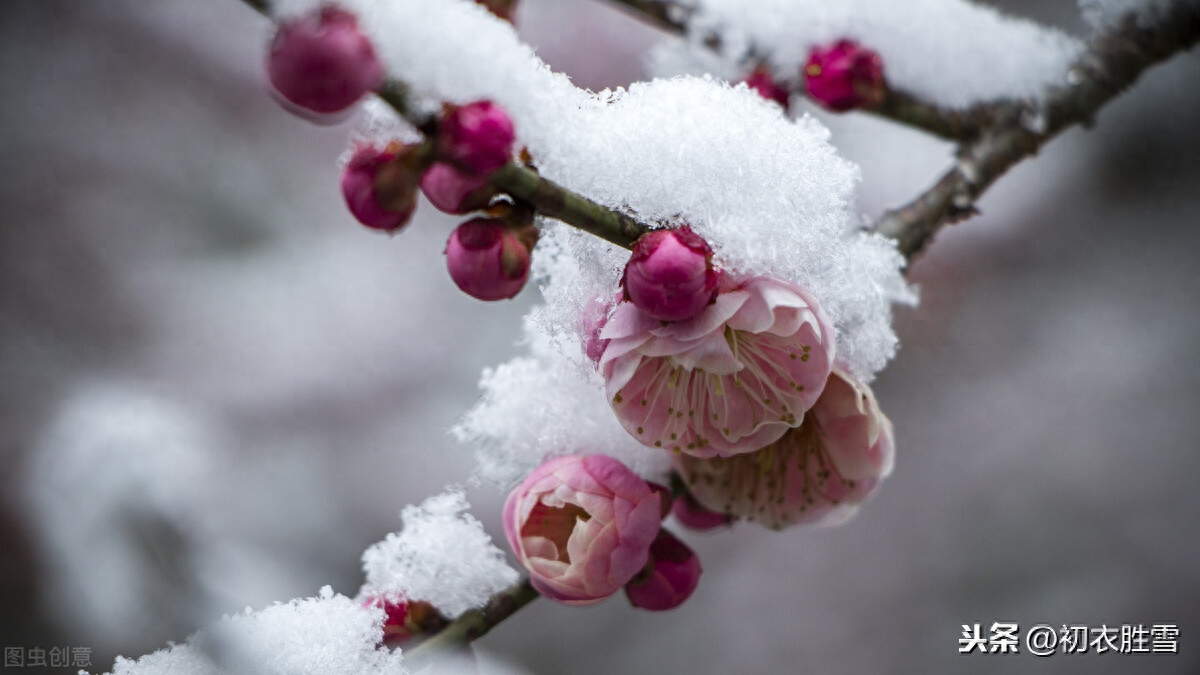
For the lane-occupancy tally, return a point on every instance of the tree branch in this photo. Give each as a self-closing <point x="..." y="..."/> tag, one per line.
<point x="547" y="197"/>
<point x="898" y="106"/>
<point x="1114" y="60"/>
<point x="472" y="625"/>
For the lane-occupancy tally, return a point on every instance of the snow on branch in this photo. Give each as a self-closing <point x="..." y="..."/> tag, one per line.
<point x="1116" y="56"/>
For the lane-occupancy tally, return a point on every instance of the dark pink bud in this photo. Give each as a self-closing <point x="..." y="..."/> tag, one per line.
<point x="668" y="579"/>
<point x="380" y="186"/>
<point x="664" y="497"/>
<point x="322" y="63"/>
<point x="487" y="259"/>
<point x="845" y="76"/>
<point x="406" y="618"/>
<point x="505" y="9"/>
<point x="762" y="82"/>
<point x="670" y="275"/>
<point x="692" y="514"/>
<point x="477" y="137"/>
<point x="452" y="191"/>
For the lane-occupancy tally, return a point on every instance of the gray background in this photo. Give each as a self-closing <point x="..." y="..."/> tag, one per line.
<point x="169" y="231"/>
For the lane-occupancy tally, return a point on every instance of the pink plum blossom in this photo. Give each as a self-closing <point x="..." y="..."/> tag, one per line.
<point x="477" y="137"/>
<point x="670" y="274"/>
<point x="729" y="381"/>
<point x="582" y="526"/>
<point x="380" y="187"/>
<point x="817" y="473"/>
<point x="487" y="260"/>
<point x="845" y="76"/>
<point x="668" y="579"/>
<point x="321" y="62"/>
<point x="451" y="191"/>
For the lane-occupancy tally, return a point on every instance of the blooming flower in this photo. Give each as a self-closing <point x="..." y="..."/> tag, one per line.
<point x="817" y="473"/>
<point x="321" y="62"/>
<point x="845" y="76"/>
<point x="668" y="579"/>
<point x="731" y="380"/>
<point x="582" y="526"/>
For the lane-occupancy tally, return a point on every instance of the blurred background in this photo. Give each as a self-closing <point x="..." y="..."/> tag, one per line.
<point x="216" y="389"/>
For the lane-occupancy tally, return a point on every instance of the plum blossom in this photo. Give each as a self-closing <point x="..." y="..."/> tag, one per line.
<point x="668" y="579"/>
<point x="322" y="63"/>
<point x="817" y="473"/>
<point x="845" y="76"/>
<point x="582" y="526"/>
<point x="729" y="381"/>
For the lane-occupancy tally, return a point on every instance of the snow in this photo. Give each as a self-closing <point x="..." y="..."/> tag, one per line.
<point x="442" y="555"/>
<point x="325" y="635"/>
<point x="951" y="52"/>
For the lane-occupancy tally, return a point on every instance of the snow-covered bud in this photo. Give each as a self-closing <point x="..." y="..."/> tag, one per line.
<point x="668" y="579"/>
<point x="321" y="62"/>
<point x="582" y="526"/>
<point x="487" y="259"/>
<point x="817" y="473"/>
<point x="505" y="9"/>
<point x="477" y="137"/>
<point x="380" y="186"/>
<point x="452" y="191"/>
<point x="761" y="82"/>
<point x="591" y="322"/>
<point x="406" y="618"/>
<point x="670" y="275"/>
<point x="694" y="516"/>
<point x="845" y="76"/>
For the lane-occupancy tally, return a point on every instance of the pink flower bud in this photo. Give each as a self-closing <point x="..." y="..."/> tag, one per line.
<point x="817" y="473"/>
<point x="692" y="515"/>
<point x="505" y="9"/>
<point x="668" y="579"/>
<point x="380" y="187"/>
<point x="406" y="618"/>
<point x="487" y="259"/>
<point x="452" y="191"/>
<point x="477" y="137"/>
<point x="845" y="76"/>
<point x="761" y="82"/>
<point x="670" y="275"/>
<point x="321" y="62"/>
<point x="582" y="526"/>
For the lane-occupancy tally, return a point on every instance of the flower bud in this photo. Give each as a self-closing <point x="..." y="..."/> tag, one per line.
<point x="477" y="137"/>
<point x="591" y="322"/>
<point x="694" y="516"/>
<point x="668" y="579"/>
<point x="322" y="63"/>
<point x="845" y="76"/>
<point x="406" y="618"/>
<point x="380" y="186"/>
<point x="487" y="259"/>
<point x="505" y="9"/>
<point x="670" y="275"/>
<point x="762" y="83"/>
<point x="452" y="191"/>
<point x="582" y="526"/>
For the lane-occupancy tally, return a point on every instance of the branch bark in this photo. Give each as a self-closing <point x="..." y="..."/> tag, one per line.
<point x="1114" y="60"/>
<point x="472" y="625"/>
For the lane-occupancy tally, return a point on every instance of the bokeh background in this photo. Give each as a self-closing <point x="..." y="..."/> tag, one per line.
<point x="216" y="389"/>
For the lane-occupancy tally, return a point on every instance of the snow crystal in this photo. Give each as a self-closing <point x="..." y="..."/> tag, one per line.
<point x="952" y="52"/>
<point x="441" y="555"/>
<point x="1104" y="13"/>
<point x="547" y="405"/>
<point x="326" y="635"/>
